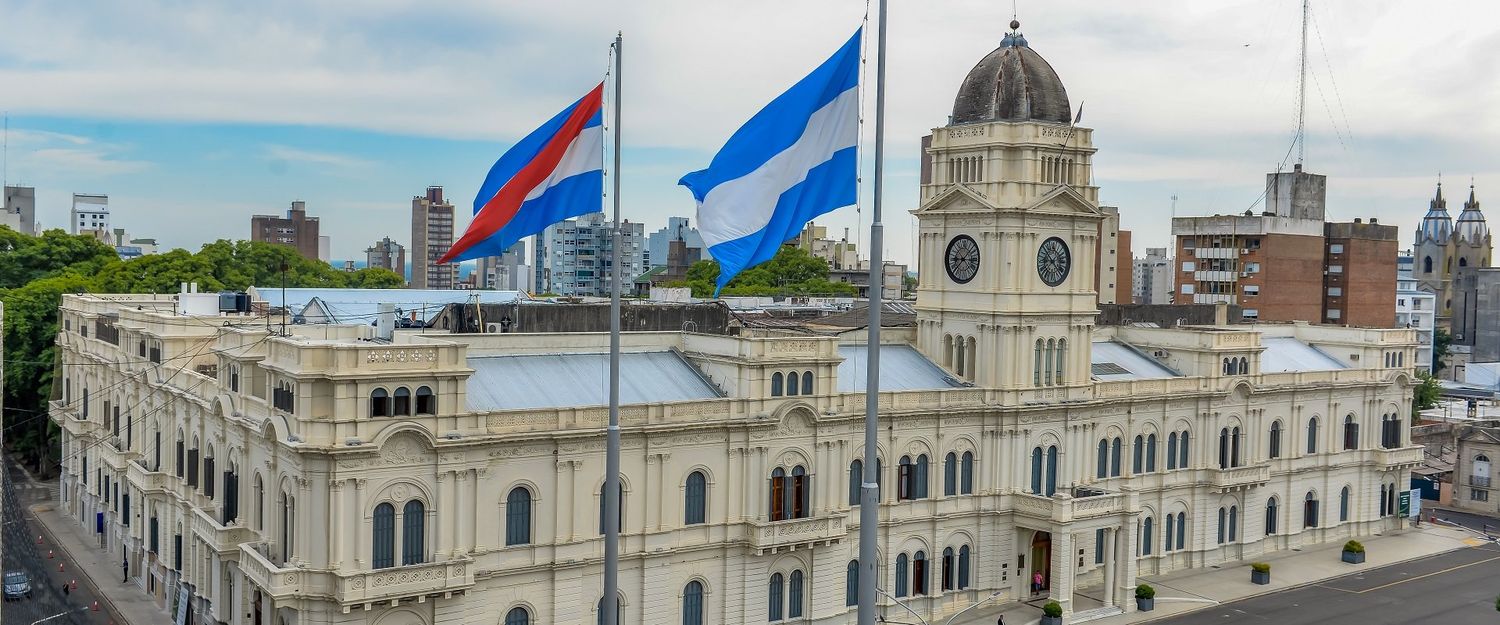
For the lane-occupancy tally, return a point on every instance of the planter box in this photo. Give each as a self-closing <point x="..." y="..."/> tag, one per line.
<point x="1257" y="577"/>
<point x="1052" y="620"/>
<point x="1145" y="605"/>
<point x="1354" y="558"/>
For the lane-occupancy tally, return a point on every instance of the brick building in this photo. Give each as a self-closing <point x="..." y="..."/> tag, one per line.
<point x="296" y="230"/>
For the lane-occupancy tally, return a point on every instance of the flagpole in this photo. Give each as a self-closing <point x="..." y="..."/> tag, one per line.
<point x="869" y="504"/>
<point x="612" y="453"/>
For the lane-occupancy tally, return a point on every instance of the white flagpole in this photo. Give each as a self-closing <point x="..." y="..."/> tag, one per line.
<point x="612" y="455"/>
<point x="869" y="512"/>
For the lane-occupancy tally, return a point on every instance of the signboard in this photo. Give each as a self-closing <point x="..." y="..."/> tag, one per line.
<point x="1405" y="505"/>
<point x="1416" y="507"/>
<point x="182" y="606"/>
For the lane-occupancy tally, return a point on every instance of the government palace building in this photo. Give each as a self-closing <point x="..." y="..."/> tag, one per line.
<point x="256" y="473"/>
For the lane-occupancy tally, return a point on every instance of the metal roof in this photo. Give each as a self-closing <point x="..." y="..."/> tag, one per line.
<point x="902" y="368"/>
<point x="1112" y="360"/>
<point x="1285" y="354"/>
<point x="359" y="306"/>
<point x="559" y="380"/>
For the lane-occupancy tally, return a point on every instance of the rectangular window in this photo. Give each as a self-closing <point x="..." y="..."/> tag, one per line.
<point x="1187" y="289"/>
<point x="1251" y="289"/>
<point x="1479" y="495"/>
<point x="1335" y="291"/>
<point x="1250" y="313"/>
<point x="1334" y="313"/>
<point x="1252" y="267"/>
<point x="1336" y="248"/>
<point x="1188" y="265"/>
<point x="1335" y="269"/>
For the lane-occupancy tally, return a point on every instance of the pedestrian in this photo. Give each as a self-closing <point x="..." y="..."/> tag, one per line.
<point x="125" y="570"/>
<point x="1036" y="582"/>
<point x="1001" y="620"/>
<point x="65" y="589"/>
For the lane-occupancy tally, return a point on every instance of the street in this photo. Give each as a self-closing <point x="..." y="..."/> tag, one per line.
<point x="22" y="551"/>
<point x="1454" y="588"/>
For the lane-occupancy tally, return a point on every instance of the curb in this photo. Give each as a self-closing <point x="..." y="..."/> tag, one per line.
<point x="1301" y="585"/>
<point x="119" y="616"/>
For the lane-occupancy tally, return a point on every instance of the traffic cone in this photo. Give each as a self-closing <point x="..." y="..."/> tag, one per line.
<point x="49" y="554"/>
<point x="59" y="567"/>
<point x="73" y="585"/>
<point x="94" y="607"/>
<point x="38" y="539"/>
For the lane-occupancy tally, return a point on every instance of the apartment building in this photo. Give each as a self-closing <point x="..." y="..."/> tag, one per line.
<point x="1152" y="277"/>
<point x="90" y="212"/>
<point x="431" y="236"/>
<point x="1417" y="309"/>
<point x="296" y="230"/>
<point x="387" y="254"/>
<point x="573" y="256"/>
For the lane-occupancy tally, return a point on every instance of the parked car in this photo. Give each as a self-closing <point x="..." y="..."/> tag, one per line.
<point x="17" y="585"/>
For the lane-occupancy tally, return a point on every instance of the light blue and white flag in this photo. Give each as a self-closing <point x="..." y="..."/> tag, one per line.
<point x="794" y="160"/>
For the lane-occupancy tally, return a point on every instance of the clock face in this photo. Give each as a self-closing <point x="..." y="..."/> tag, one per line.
<point x="962" y="259"/>
<point x="1053" y="261"/>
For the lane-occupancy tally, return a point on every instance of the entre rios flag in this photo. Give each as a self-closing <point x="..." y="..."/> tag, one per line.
<point x="556" y="172"/>
<point x="794" y="160"/>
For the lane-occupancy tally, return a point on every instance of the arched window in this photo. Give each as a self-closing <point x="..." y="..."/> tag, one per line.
<point x="1151" y="453"/>
<point x="1224" y="448"/>
<point x="1103" y="470"/>
<point x="1223" y="524"/>
<point x="1036" y="367"/>
<point x="856" y="478"/>
<point x="1479" y="475"/>
<point x="402" y="402"/>
<point x="791" y="384"/>
<point x="901" y="580"/>
<point x="775" y="597"/>
<point x="1062" y="357"/>
<point x="1275" y="445"/>
<point x="1244" y="366"/>
<point x="1036" y="470"/>
<point x="949" y="565"/>
<point x="807" y="383"/>
<point x="1114" y="457"/>
<point x="383" y="537"/>
<point x="1182" y="530"/>
<point x="1234" y="522"/>
<point x="963" y="567"/>
<point x="518" y="616"/>
<point x="1271" y="516"/>
<point x="1463" y="262"/>
<point x="776" y="381"/>
<point x="1166" y="545"/>
<point x="1310" y="510"/>
<point x="518" y="516"/>
<point x="260" y="503"/>
<point x="413" y="520"/>
<point x="1312" y="435"/>
<point x="966" y="474"/>
<point x="1182" y="451"/>
<point x="1138" y="455"/>
<point x="919" y="573"/>
<point x="1052" y="468"/>
<point x="1050" y="359"/>
<point x="950" y="474"/>
<point x="779" y="495"/>
<point x="692" y="603"/>
<point x="1234" y="447"/>
<point x="1147" y="531"/>
<point x="619" y="514"/>
<point x="695" y="500"/>
<point x="1344" y="505"/>
<point x="1426" y="264"/>
<point x="1228" y="367"/>
<point x="1172" y="451"/>
<point x="851" y="583"/>
<point x="921" y="479"/>
<point x="1351" y="433"/>
<point x="619" y="611"/>
<point x="794" y="596"/>
<point x="426" y="401"/>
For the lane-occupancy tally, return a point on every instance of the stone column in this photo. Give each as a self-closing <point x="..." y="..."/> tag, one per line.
<point x="471" y="513"/>
<point x="444" y="525"/>
<point x="1127" y="567"/>
<point x="361" y="532"/>
<point x="1063" y="570"/>
<point x="732" y="504"/>
<point x="336" y="523"/>
<point x="1110" y="567"/>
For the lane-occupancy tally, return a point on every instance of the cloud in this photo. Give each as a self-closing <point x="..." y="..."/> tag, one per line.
<point x="87" y="162"/>
<point x="288" y="153"/>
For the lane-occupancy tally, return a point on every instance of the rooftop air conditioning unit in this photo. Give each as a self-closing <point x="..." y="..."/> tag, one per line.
<point x="1160" y="353"/>
<point x="492" y="328"/>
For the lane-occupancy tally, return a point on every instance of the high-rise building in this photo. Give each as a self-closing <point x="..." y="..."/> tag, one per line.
<point x="431" y="236"/>
<point x="387" y="254"/>
<point x="1153" y="277"/>
<point x="1442" y="249"/>
<point x="1417" y="309"/>
<point x="325" y="247"/>
<point x="1287" y="263"/>
<point x="90" y="212"/>
<point x="506" y="272"/>
<point x="659" y="242"/>
<point x="574" y="257"/>
<point x="1476" y="317"/>
<point x="296" y="230"/>
<point x="20" y="210"/>
<point x="1111" y="249"/>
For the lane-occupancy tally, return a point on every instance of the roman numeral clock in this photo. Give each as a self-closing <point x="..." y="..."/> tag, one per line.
<point x="962" y="259"/>
<point x="1053" y="261"/>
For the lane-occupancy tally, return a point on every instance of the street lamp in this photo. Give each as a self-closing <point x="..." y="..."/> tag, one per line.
<point x="924" y="621"/>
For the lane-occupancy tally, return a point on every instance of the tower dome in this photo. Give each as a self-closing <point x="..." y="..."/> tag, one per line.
<point x="1437" y="225"/>
<point x="1471" y="227"/>
<point x="1012" y="83"/>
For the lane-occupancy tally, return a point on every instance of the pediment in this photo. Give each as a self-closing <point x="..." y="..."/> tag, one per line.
<point x="957" y="199"/>
<point x="1063" y="201"/>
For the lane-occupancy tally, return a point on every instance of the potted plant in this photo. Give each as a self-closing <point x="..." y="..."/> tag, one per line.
<point x="1354" y="553"/>
<point x="1052" y="613"/>
<point x="1145" y="597"/>
<point x="1260" y="573"/>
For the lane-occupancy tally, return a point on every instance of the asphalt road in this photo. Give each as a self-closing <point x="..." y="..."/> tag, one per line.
<point x="1454" y="588"/>
<point x="23" y="552"/>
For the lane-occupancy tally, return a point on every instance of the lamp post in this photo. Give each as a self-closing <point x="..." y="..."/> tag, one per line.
<point x="923" y="620"/>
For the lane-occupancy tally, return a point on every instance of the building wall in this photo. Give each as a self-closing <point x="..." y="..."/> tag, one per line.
<point x="1366" y="254"/>
<point x="1476" y="313"/>
<point x="296" y="230"/>
<point x="1125" y="278"/>
<point x="431" y="236"/>
<point x="90" y="212"/>
<point x="387" y="254"/>
<point x="20" y="210"/>
<point x="1474" y="487"/>
<point x="1152" y="277"/>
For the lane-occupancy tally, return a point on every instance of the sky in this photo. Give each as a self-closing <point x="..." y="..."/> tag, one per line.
<point x="193" y="116"/>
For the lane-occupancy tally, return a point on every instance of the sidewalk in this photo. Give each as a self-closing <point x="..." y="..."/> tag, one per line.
<point x="102" y="571"/>
<point x="1189" y="590"/>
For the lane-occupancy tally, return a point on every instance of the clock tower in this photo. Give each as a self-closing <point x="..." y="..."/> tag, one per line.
<point x="1009" y="222"/>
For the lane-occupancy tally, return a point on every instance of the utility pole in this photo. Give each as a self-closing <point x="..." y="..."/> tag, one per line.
<point x="1302" y="88"/>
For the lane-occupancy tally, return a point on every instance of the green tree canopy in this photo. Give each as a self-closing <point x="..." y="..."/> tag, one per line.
<point x="792" y="271"/>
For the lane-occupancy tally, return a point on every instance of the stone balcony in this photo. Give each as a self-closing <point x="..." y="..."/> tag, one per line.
<point x="773" y="536"/>
<point x="355" y="588"/>
<point x="225" y="540"/>
<point x="1063" y="508"/>
<point x="147" y="481"/>
<point x="1399" y="457"/>
<point x="1238" y="478"/>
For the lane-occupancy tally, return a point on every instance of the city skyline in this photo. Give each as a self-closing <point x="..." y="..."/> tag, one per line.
<point x="186" y="160"/>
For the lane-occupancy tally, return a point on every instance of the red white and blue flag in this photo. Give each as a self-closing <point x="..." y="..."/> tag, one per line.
<point x="556" y="172"/>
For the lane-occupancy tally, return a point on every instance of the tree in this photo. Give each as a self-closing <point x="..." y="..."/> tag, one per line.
<point x="1425" y="394"/>
<point x="1440" y="342"/>
<point x="375" y="278"/>
<point x="792" y="271"/>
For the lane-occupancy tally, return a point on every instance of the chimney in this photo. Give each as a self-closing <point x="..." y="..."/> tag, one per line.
<point x="385" y="322"/>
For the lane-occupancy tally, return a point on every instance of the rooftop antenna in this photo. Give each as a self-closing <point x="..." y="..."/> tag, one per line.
<point x="5" y="155"/>
<point x="1302" y="88"/>
<point x="1174" y="205"/>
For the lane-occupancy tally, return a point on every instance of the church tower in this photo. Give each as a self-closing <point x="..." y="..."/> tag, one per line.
<point x="1444" y="248"/>
<point x="1471" y="236"/>
<point x="1009" y="220"/>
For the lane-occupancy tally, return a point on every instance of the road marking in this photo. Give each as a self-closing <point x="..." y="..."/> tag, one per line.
<point x="1412" y="579"/>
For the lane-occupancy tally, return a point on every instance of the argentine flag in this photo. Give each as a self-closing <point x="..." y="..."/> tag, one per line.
<point x="793" y="161"/>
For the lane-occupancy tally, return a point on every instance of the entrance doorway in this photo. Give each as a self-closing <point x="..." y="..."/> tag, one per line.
<point x="1040" y="575"/>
